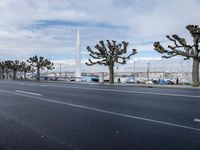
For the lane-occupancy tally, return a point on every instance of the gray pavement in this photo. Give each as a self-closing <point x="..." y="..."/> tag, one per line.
<point x="43" y="115"/>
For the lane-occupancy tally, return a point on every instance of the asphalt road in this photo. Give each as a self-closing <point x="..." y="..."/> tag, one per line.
<point x="55" y="116"/>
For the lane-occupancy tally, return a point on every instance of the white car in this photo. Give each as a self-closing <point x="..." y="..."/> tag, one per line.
<point x="131" y="80"/>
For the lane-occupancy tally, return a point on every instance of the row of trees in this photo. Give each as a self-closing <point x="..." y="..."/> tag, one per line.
<point x="33" y="64"/>
<point x="110" y="53"/>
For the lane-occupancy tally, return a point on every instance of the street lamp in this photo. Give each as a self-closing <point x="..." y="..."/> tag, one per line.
<point x="148" y="69"/>
<point x="133" y="68"/>
<point x="60" y="71"/>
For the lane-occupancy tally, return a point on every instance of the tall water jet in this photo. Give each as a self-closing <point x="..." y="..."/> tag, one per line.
<point x="78" y="56"/>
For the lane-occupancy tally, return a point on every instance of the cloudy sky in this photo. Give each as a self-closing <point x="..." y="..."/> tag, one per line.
<point x="48" y="27"/>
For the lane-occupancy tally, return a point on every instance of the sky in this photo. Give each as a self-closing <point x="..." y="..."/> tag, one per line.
<point x="48" y="28"/>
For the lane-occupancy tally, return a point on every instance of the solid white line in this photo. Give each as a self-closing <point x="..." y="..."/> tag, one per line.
<point x="107" y="112"/>
<point x="25" y="92"/>
<point x="123" y="91"/>
<point x="196" y="120"/>
<point x="43" y="85"/>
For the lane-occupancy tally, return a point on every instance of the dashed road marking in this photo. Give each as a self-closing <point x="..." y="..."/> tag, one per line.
<point x="25" y="92"/>
<point x="196" y="120"/>
<point x="117" y="90"/>
<point x="106" y="111"/>
<point x="43" y="85"/>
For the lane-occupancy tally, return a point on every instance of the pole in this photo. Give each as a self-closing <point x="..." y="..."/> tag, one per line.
<point x="134" y="68"/>
<point x="78" y="55"/>
<point x="60" y="71"/>
<point x="148" y="69"/>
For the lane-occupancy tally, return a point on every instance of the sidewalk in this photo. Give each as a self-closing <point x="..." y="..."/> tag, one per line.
<point x="159" y="86"/>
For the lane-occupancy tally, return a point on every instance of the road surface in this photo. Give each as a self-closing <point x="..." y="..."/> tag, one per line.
<point x="49" y="116"/>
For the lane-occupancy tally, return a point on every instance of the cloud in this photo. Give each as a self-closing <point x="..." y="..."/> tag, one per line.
<point x="48" y="27"/>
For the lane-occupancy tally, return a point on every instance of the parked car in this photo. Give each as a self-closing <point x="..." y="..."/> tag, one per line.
<point x="165" y="82"/>
<point x="155" y="81"/>
<point x="72" y="79"/>
<point x="149" y="82"/>
<point x="60" y="79"/>
<point x="131" y="80"/>
<point x="186" y="83"/>
<point x="170" y="82"/>
<point x="95" y="79"/>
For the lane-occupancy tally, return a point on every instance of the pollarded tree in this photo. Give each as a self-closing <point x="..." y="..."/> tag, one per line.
<point x="14" y="66"/>
<point x="40" y="63"/>
<point x="109" y="54"/>
<point x="25" y="68"/>
<point x="7" y="69"/>
<point x="2" y="67"/>
<point x="182" y="48"/>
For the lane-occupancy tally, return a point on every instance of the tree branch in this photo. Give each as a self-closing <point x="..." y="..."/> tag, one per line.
<point x="110" y="55"/>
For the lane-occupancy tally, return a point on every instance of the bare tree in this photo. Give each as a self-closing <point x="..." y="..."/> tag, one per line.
<point x="109" y="54"/>
<point x="2" y="67"/>
<point x="182" y="48"/>
<point x="25" y="68"/>
<point x="14" y="66"/>
<point x="40" y="63"/>
<point x="7" y="70"/>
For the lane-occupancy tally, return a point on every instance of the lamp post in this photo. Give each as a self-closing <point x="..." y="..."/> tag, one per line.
<point x="148" y="69"/>
<point x="134" y="68"/>
<point x="60" y="71"/>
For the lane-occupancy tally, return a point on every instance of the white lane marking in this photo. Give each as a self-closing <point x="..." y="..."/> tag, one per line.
<point x="123" y="91"/>
<point x="196" y="120"/>
<point x="106" y="112"/>
<point x="25" y="92"/>
<point x="43" y="85"/>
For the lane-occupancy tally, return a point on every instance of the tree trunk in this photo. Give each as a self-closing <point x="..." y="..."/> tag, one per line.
<point x="1" y="75"/>
<point x="38" y="73"/>
<point x="24" y="74"/>
<point x="195" y="73"/>
<point x="111" y="74"/>
<point x="14" y="74"/>
<point x="7" y="75"/>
